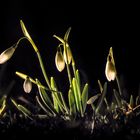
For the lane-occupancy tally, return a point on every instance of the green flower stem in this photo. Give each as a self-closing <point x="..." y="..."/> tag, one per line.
<point x="67" y="65"/>
<point x="118" y="83"/>
<point x="40" y="62"/>
<point x="16" y="45"/>
<point x="73" y="66"/>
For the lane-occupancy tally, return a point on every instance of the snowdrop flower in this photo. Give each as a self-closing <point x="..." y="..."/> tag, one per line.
<point x="27" y="85"/>
<point x="110" y="70"/>
<point x="6" y="55"/>
<point x="59" y="60"/>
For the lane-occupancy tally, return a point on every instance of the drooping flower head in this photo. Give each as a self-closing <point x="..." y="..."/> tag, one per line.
<point x="27" y="85"/>
<point x="7" y="54"/>
<point x="110" y="70"/>
<point x="59" y="59"/>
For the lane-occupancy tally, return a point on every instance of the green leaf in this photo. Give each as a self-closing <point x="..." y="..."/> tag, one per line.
<point x="14" y="102"/>
<point x="77" y="76"/>
<point x="23" y="109"/>
<point x="131" y="101"/>
<point x="45" y="98"/>
<point x="100" y="86"/>
<point x="101" y="90"/>
<point x="137" y="100"/>
<point x="54" y="95"/>
<point x="67" y="34"/>
<point x="2" y="99"/>
<point x="58" y="104"/>
<point x="85" y="97"/>
<point x="99" y="105"/>
<point x="59" y="38"/>
<point x="72" y="102"/>
<point x="118" y="98"/>
<point x="93" y="99"/>
<point x="43" y="108"/>
<point x="77" y="96"/>
<point x="3" y="105"/>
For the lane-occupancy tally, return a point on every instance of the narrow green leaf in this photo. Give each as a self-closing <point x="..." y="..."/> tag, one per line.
<point x="64" y="103"/>
<point x="76" y="96"/>
<point x="43" y="108"/>
<point x="93" y="99"/>
<point x="117" y="97"/>
<point x="14" y="102"/>
<point x="25" y="111"/>
<point x="85" y="97"/>
<point x="58" y="104"/>
<point x="2" y="106"/>
<point x="67" y="34"/>
<point x="101" y="90"/>
<point x="2" y="99"/>
<point x="77" y="76"/>
<point x="72" y="104"/>
<point x="59" y="38"/>
<point x="45" y="98"/>
<point x="137" y="100"/>
<point x="131" y="101"/>
<point x="100" y="86"/>
<point x="99" y="105"/>
<point x="21" y="108"/>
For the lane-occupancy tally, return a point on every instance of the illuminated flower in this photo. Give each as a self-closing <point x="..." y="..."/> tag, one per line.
<point x="110" y="71"/>
<point x="59" y="61"/>
<point x="27" y="85"/>
<point x="6" y="55"/>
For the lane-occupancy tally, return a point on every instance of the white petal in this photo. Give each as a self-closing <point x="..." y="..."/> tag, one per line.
<point x="59" y="61"/>
<point x="110" y="71"/>
<point x="27" y="85"/>
<point x="6" y="55"/>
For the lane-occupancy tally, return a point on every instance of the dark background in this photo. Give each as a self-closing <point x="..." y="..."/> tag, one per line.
<point x="95" y="28"/>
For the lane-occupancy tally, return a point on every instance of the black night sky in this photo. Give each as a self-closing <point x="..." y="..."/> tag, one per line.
<point x="95" y="28"/>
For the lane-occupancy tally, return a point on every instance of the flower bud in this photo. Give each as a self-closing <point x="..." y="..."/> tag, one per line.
<point x="6" y="55"/>
<point x="27" y="85"/>
<point x="110" y="71"/>
<point x="59" y="61"/>
<point x="24" y="30"/>
<point x="67" y="55"/>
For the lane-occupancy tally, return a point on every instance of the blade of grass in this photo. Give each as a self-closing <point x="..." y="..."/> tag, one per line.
<point x="131" y="102"/>
<point x="23" y="109"/>
<point x="72" y="104"/>
<point x="117" y="97"/>
<point x="46" y="99"/>
<point x="3" y="106"/>
<point x="92" y="99"/>
<point x="99" y="105"/>
<point x="43" y="108"/>
<point x="137" y="100"/>
<point x="101" y="90"/>
<point x="58" y="103"/>
<point x="77" y="96"/>
<point x="85" y="97"/>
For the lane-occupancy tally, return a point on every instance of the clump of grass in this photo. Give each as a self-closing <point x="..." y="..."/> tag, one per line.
<point x="51" y="102"/>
